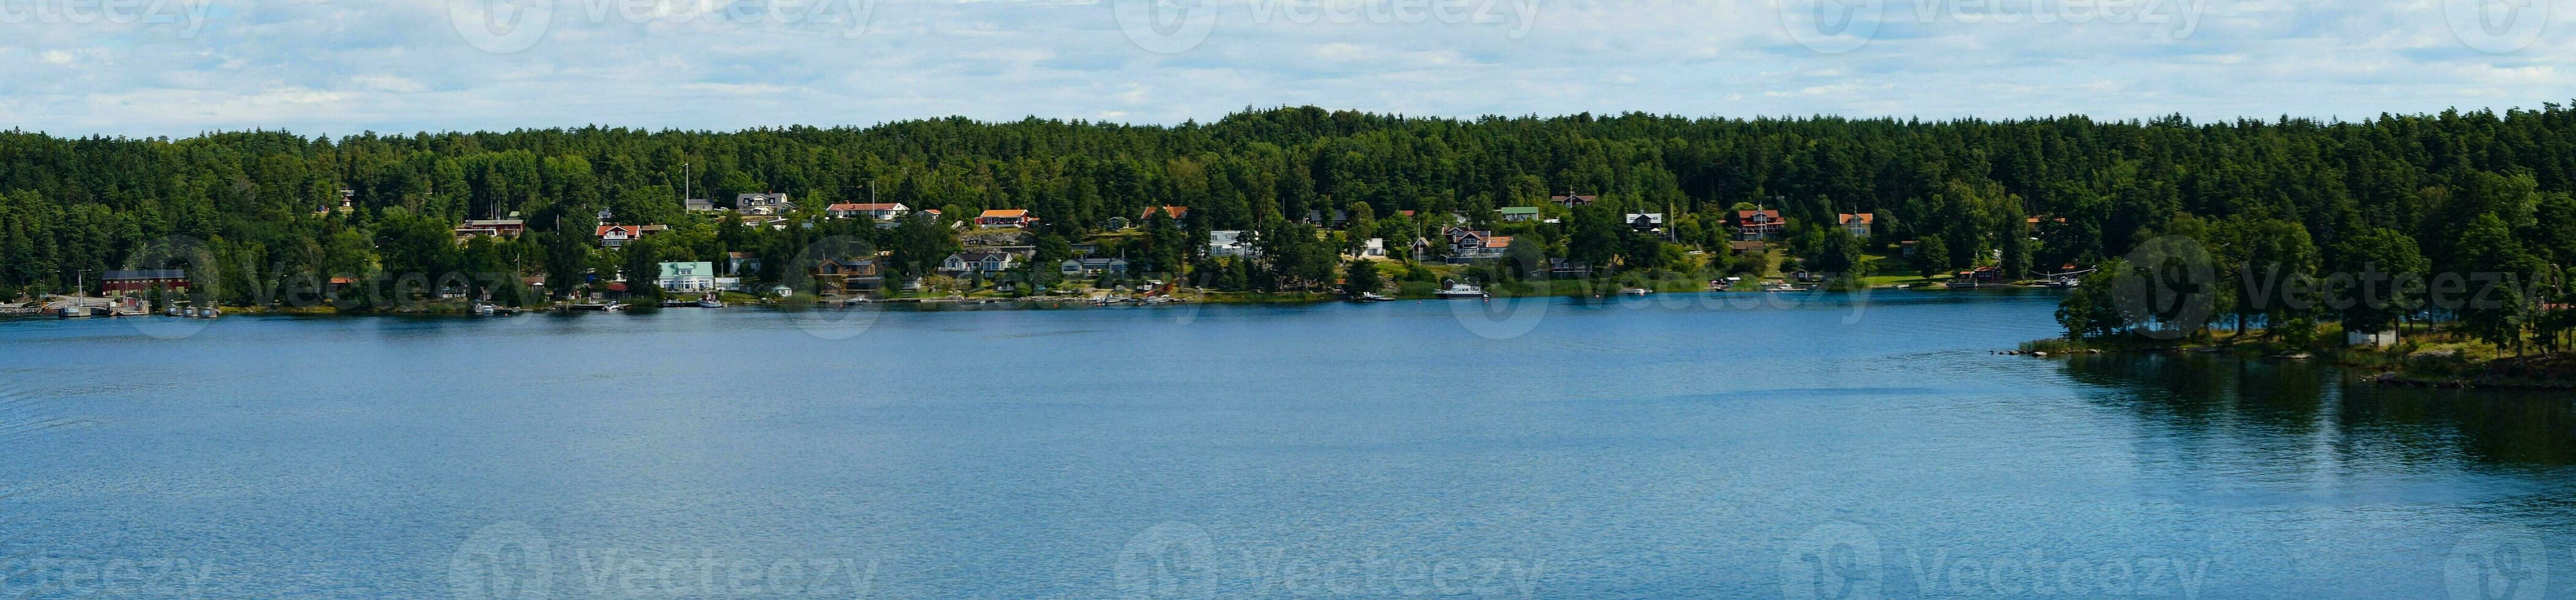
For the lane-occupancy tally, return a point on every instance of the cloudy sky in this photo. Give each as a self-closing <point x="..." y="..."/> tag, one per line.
<point x="179" y="67"/>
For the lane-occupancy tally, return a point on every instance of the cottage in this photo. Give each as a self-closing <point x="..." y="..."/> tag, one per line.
<point x="1573" y="200"/>
<point x="763" y="204"/>
<point x="1645" y="221"/>
<point x="1004" y="218"/>
<point x="1517" y="214"/>
<point x="1094" y="267"/>
<point x="690" y="277"/>
<point x="1857" y="224"/>
<point x="499" y="228"/>
<point x="143" y="280"/>
<point x="1751" y="225"/>
<point x="616" y="236"/>
<point x="1177" y="212"/>
<point x="880" y="211"/>
<point x="699" y="205"/>
<point x="976" y="264"/>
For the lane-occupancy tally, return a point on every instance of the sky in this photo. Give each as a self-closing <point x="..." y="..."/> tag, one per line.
<point x="182" y="67"/>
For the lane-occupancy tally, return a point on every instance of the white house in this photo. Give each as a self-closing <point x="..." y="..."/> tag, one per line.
<point x="762" y="204"/>
<point x="886" y="211"/>
<point x="1374" y="247"/>
<point x="1227" y="244"/>
<point x="693" y="277"/>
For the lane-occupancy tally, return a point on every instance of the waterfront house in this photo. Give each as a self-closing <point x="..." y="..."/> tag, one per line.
<point x="1094" y="267"/>
<point x="739" y="262"/>
<point x="1573" y="200"/>
<point x="1004" y="218"/>
<point x="1372" y="247"/>
<point x="965" y="264"/>
<point x="1756" y="225"/>
<point x="879" y="211"/>
<point x="1568" y="268"/>
<point x="1517" y="214"/>
<point x="690" y="277"/>
<point x="699" y="205"/>
<point x="616" y="236"/>
<point x="1857" y="224"/>
<point x="142" y="280"/>
<point x="763" y="204"/>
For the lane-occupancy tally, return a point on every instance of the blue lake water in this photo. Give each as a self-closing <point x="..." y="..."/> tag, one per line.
<point x="1676" y="446"/>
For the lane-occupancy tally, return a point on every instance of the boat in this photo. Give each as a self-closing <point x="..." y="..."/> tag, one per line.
<point x="213" y="313"/>
<point x="2062" y="283"/>
<point x="1460" y="291"/>
<point x="849" y="302"/>
<point x="483" y="309"/>
<point x="1635" y="292"/>
<point x="1782" y="286"/>
<point x="710" y="301"/>
<point x="1371" y="297"/>
<point x="611" y="306"/>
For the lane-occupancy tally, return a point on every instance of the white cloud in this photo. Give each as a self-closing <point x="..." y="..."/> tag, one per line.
<point x="397" y="65"/>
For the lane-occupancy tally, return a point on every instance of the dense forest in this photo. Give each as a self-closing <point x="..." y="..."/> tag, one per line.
<point x="2457" y="190"/>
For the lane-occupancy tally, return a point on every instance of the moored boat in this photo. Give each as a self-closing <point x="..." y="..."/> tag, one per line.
<point x="1457" y="291"/>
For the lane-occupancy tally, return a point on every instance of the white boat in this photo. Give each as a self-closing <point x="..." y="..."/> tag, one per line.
<point x="2062" y="283"/>
<point x="1782" y="286"/>
<point x="483" y="309"/>
<point x="1371" y="297"/>
<point x="1460" y="291"/>
<point x="710" y="301"/>
<point x="1635" y="292"/>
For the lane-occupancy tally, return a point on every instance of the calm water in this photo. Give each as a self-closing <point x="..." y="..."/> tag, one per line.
<point x="1673" y="447"/>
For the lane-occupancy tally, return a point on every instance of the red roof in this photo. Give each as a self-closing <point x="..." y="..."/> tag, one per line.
<point x="1865" y="218"/>
<point x="1746" y="216"/>
<point x="631" y="230"/>
<point x="1009" y="213"/>
<point x="1177" y="212"/>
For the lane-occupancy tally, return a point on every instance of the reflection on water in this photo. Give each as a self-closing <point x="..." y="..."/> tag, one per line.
<point x="2285" y="400"/>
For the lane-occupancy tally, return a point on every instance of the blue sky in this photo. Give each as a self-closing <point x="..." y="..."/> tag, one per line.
<point x="179" y="67"/>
